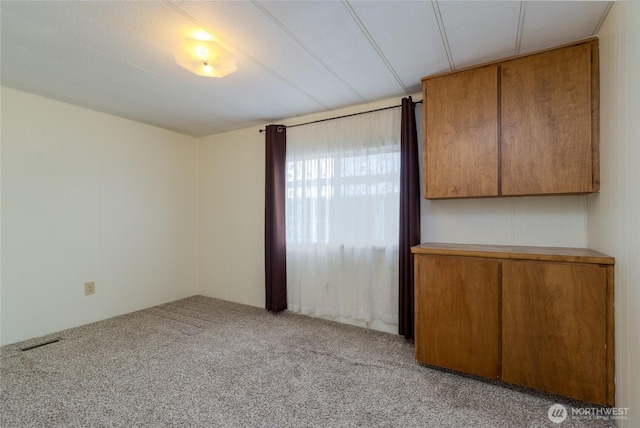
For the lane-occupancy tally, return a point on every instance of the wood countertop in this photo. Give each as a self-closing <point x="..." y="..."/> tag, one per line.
<point x="552" y="254"/>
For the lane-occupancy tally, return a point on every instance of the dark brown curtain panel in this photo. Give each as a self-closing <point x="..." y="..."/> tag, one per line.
<point x="275" y="249"/>
<point x="409" y="215"/>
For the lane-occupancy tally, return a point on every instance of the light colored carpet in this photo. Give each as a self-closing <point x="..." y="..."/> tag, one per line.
<point x="202" y="362"/>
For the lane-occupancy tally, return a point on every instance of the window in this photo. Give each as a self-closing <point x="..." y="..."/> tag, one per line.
<point x="327" y="187"/>
<point x="342" y="211"/>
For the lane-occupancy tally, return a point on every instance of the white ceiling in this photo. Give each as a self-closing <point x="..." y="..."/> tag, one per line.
<point x="294" y="57"/>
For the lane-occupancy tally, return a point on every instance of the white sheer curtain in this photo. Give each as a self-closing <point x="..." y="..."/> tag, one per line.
<point x="342" y="210"/>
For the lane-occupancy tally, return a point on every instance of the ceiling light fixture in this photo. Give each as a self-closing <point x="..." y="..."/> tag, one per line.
<point x="205" y="58"/>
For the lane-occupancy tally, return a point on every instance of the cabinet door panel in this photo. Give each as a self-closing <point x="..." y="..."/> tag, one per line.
<point x="457" y="314"/>
<point x="461" y="134"/>
<point x="554" y="330"/>
<point x="546" y="123"/>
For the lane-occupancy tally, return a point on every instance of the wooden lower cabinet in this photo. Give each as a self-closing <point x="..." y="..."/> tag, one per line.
<point x="539" y="317"/>
<point x="458" y="314"/>
<point x="556" y="310"/>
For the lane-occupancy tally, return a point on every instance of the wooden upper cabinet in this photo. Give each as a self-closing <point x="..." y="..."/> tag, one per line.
<point x="546" y="123"/>
<point x="522" y="126"/>
<point x="461" y="129"/>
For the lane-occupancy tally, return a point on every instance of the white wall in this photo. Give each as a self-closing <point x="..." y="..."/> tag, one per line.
<point x="614" y="214"/>
<point x="231" y="214"/>
<point x="90" y="197"/>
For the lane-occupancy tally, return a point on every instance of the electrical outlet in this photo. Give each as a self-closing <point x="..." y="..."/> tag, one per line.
<point x="89" y="288"/>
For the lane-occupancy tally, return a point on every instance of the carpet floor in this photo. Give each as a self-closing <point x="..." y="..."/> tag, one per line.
<point x="202" y="362"/>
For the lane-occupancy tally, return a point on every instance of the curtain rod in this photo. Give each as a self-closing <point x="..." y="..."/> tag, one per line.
<point x="346" y="115"/>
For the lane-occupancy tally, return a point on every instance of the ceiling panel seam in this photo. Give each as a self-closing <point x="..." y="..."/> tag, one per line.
<point x="117" y="57"/>
<point x="523" y="9"/>
<point x="375" y="46"/>
<point x="308" y="49"/>
<point x="443" y="33"/>
<point x="602" y="18"/>
<point x="245" y="54"/>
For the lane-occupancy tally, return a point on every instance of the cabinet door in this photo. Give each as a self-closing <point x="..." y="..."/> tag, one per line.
<point x="554" y="328"/>
<point x="546" y="123"/>
<point x="461" y="134"/>
<point x="457" y="313"/>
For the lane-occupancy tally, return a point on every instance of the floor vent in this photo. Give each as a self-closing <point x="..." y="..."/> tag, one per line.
<point x="48" y="342"/>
